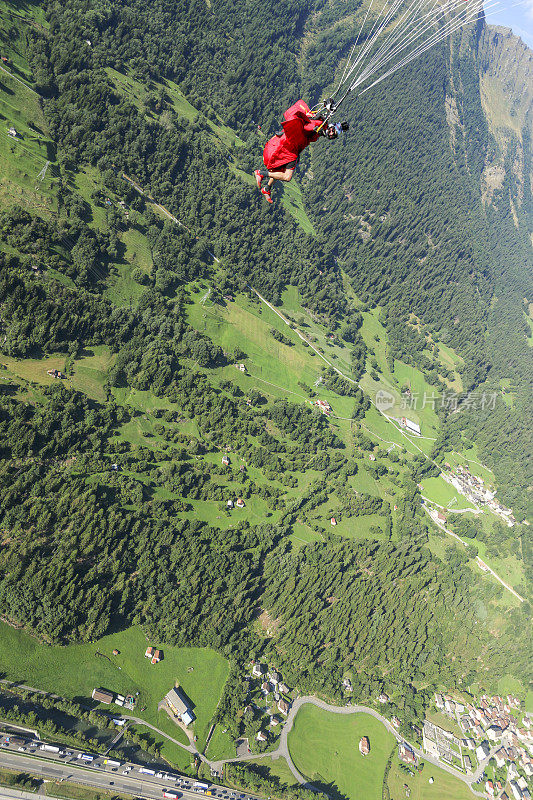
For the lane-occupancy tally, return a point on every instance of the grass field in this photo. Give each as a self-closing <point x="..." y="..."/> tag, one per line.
<point x="325" y="749"/>
<point x="221" y="745"/>
<point x="34" y="369"/>
<point x="22" y="158"/>
<point x="90" y="371"/>
<point x="444" y="494"/>
<point x="445" y="786"/>
<point x="275" y="769"/>
<point x="75" y="670"/>
<point x="274" y="368"/>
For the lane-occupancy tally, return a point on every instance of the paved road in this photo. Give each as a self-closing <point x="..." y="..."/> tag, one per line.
<point x="282" y="750"/>
<point x="48" y="766"/>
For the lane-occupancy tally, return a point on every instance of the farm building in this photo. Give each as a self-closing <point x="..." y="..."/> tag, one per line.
<point x="411" y="426"/>
<point x="180" y="705"/>
<point x="102" y="696"/>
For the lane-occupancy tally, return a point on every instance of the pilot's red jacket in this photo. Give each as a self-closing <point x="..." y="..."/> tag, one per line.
<point x="299" y="130"/>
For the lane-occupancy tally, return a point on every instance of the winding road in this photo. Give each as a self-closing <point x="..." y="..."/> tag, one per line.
<point x="282" y="751"/>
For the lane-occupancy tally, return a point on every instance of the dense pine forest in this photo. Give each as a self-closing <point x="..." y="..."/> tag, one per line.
<point x="117" y="505"/>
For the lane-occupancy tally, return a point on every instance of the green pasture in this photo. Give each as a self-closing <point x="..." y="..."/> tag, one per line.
<point x="310" y="326"/>
<point x="221" y="745"/>
<point x="75" y="670"/>
<point x="34" y="369"/>
<point x="276" y="770"/>
<point x="121" y="288"/>
<point x="444" y="787"/>
<point x="451" y="360"/>
<point x="23" y="158"/>
<point x="274" y="368"/>
<point x="444" y="494"/>
<point x="325" y="749"/>
<point x="303" y="534"/>
<point x="90" y="372"/>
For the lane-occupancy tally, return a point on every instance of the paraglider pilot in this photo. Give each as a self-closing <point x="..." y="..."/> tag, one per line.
<point x="282" y="151"/>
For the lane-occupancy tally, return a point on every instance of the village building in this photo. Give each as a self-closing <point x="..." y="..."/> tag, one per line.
<point x="102" y="696"/>
<point x="324" y="406"/>
<point x="229" y="504"/>
<point x="439" y="701"/>
<point x="499" y="757"/>
<point x="180" y="705"/>
<point x="241" y="367"/>
<point x="261" y="736"/>
<point x="240" y="503"/>
<point x="364" y="746"/>
<point x="257" y="670"/>
<point x="406" y="754"/>
<point x="149" y="652"/>
<point x="383" y="698"/>
<point x="396" y="722"/>
<point x="515" y="788"/>
<point x="226" y="460"/>
<point x="273" y="721"/>
<point x="157" y="656"/>
<point x="12" y="132"/>
<point x="494" y="732"/>
<point x="333" y="521"/>
<point x="284" y="689"/>
<point x="410" y="426"/>
<point x="274" y="677"/>
<point x="482" y="751"/>
<point x="468" y="763"/>
<point x="489" y="788"/>
<point x="115" y="652"/>
<point x="283" y="706"/>
<point x="441" y="517"/>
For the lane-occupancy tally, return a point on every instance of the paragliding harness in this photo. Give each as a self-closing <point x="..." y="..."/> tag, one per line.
<point x="329" y="108"/>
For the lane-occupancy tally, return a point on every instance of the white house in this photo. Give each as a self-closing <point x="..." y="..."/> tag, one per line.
<point x="411" y="426"/>
<point x="515" y="788"/>
<point x="482" y="751"/>
<point x="494" y="732"/>
<point x="257" y="670"/>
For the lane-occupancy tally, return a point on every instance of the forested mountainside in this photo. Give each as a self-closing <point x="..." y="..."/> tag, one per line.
<point x="121" y="475"/>
<point x="414" y="227"/>
<point x="506" y="84"/>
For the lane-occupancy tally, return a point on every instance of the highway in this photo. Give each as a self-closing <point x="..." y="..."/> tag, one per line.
<point x="126" y="778"/>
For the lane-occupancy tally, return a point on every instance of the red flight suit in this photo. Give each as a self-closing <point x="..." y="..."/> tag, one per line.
<point x="299" y="130"/>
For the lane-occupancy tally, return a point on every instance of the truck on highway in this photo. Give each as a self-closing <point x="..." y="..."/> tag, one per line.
<point x="171" y="794"/>
<point x="146" y="771"/>
<point x="49" y="748"/>
<point x="201" y="788"/>
<point x="85" y="757"/>
<point x="110" y="763"/>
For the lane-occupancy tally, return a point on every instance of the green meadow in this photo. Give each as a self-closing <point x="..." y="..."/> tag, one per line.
<point x="444" y="786"/>
<point x="75" y="670"/>
<point x="325" y="749"/>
